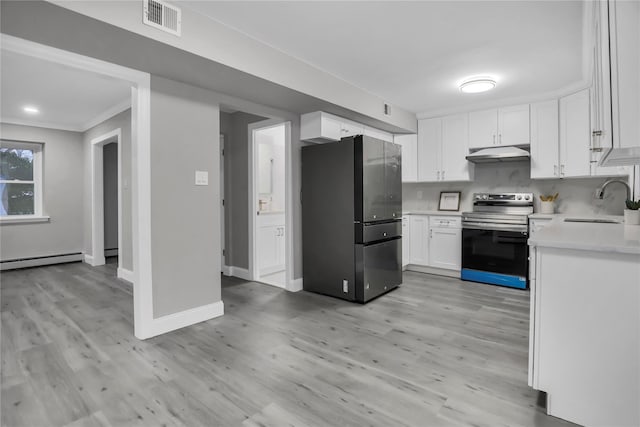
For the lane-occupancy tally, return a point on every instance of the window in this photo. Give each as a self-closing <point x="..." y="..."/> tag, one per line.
<point x="20" y="179"/>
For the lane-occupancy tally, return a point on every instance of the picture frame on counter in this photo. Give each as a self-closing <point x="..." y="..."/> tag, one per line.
<point x="449" y="201"/>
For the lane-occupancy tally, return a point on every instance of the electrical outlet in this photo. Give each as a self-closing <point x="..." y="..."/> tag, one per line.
<point x="345" y="286"/>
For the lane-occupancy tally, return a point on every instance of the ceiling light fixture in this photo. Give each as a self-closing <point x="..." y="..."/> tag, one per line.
<point x="477" y="85"/>
<point x="31" y="110"/>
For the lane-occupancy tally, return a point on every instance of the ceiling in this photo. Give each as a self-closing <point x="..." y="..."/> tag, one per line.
<point x="414" y="54"/>
<point x="68" y="98"/>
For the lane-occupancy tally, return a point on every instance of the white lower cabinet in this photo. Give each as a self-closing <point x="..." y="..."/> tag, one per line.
<point x="406" y="248"/>
<point x="271" y="244"/>
<point x="434" y="241"/>
<point x="418" y="242"/>
<point x="445" y="242"/>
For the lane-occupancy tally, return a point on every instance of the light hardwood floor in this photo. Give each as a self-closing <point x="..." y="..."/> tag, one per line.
<point x="435" y="352"/>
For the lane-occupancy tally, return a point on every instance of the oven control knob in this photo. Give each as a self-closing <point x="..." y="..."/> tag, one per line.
<point x="519" y="197"/>
<point x="478" y="197"/>
<point x="485" y="197"/>
<point x="526" y="197"/>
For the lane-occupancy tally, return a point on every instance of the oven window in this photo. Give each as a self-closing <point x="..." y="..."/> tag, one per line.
<point x="504" y="252"/>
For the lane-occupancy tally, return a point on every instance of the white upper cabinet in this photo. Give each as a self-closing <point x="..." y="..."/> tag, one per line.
<point x="321" y="127"/>
<point x="379" y="134"/>
<point x="499" y="126"/>
<point x="409" y="144"/>
<point x="624" y="40"/>
<point x="513" y="125"/>
<point x="483" y="128"/>
<point x="455" y="147"/>
<point x="429" y="145"/>
<point x="442" y="149"/>
<point x="545" y="149"/>
<point x="575" y="135"/>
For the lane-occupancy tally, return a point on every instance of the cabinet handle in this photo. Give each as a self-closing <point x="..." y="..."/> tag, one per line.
<point x="494" y="140"/>
<point x="562" y="170"/>
<point x="555" y="170"/>
<point x="443" y="175"/>
<point x="438" y="174"/>
<point x="500" y="139"/>
<point x="431" y="233"/>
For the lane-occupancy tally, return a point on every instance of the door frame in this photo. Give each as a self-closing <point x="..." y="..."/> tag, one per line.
<point x="97" y="197"/>
<point x="253" y="203"/>
<point x="144" y="324"/>
<point x="223" y="259"/>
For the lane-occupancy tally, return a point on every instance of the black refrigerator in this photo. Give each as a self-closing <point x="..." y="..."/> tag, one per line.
<point x="352" y="218"/>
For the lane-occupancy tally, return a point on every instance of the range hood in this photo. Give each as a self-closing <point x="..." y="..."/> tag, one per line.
<point x="621" y="157"/>
<point x="498" y="154"/>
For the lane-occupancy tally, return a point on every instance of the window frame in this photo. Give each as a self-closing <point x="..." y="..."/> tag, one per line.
<point x="37" y="148"/>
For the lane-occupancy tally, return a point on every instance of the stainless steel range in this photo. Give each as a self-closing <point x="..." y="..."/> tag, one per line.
<point x="494" y="239"/>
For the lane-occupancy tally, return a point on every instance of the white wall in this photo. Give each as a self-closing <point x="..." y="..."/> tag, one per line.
<point x="62" y="197"/>
<point x="576" y="195"/>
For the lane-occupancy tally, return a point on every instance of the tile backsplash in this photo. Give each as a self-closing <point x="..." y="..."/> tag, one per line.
<point x="576" y="195"/>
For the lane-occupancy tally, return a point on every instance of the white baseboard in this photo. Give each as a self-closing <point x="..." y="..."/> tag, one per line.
<point x="171" y="322"/>
<point x="241" y="273"/>
<point x="125" y="275"/>
<point x="35" y="262"/>
<point x="92" y="261"/>
<point x="433" y="270"/>
<point x="295" y="285"/>
<point x="110" y="252"/>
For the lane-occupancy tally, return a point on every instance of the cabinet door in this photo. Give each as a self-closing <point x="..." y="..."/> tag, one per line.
<point x="409" y="144"/>
<point x="624" y="38"/>
<point x="513" y="125"/>
<point x="268" y="246"/>
<point x="483" y="128"/>
<point x="406" y="241"/>
<point x="280" y="247"/>
<point x="418" y="250"/>
<point x="379" y="134"/>
<point x="544" y="139"/>
<point x="445" y="248"/>
<point x="429" y="143"/>
<point x="575" y="135"/>
<point x="455" y="148"/>
<point x="351" y="129"/>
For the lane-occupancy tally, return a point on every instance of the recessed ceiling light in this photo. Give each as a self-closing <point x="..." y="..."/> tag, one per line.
<point x="31" y="110"/>
<point x="477" y="85"/>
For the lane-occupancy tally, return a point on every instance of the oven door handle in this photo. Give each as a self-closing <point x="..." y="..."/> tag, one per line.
<point x="495" y="227"/>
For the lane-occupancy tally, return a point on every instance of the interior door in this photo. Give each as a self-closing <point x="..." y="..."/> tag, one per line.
<point x="393" y="180"/>
<point x="373" y="180"/>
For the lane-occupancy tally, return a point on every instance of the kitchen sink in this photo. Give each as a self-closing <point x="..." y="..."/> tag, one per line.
<point x="594" y="220"/>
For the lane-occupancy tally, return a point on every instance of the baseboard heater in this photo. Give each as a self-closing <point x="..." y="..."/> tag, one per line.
<point x="12" y="264"/>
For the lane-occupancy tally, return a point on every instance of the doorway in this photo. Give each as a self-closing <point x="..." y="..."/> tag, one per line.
<point x="269" y="199"/>
<point x="102" y="220"/>
<point x="111" y="202"/>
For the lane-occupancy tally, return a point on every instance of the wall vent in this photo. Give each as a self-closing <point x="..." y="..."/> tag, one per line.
<point x="387" y="109"/>
<point x="163" y="16"/>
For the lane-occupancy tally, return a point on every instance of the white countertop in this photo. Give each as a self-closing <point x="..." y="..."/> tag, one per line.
<point x="439" y="213"/>
<point x="543" y="216"/>
<point x="618" y="238"/>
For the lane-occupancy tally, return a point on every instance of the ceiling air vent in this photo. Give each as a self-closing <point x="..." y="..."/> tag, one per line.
<point x="162" y="15"/>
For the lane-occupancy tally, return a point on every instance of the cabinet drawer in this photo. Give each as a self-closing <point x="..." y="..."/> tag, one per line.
<point x="374" y="232"/>
<point x="445" y="221"/>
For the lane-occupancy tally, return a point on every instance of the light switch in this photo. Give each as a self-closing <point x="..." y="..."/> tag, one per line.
<point x="202" y="178"/>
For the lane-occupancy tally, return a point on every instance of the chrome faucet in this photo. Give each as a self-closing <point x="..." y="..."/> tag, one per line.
<point x="600" y="190"/>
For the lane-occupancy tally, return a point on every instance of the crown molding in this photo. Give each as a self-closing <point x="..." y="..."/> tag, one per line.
<point x="38" y="124"/>
<point x="107" y="114"/>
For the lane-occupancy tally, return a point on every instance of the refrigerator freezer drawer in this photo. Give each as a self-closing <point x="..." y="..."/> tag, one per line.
<point x="378" y="269"/>
<point x="367" y="233"/>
